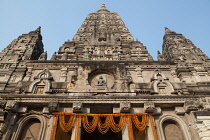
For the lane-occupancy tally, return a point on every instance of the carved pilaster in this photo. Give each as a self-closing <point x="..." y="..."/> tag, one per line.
<point x="53" y="106"/>
<point x="149" y="107"/>
<point x="190" y="105"/>
<point x="125" y="107"/>
<point x="11" y="106"/>
<point x="77" y="107"/>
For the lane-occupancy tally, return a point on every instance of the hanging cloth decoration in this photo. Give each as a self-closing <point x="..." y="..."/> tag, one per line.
<point x="102" y="126"/>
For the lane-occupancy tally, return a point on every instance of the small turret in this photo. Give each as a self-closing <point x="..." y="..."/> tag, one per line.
<point x="178" y="48"/>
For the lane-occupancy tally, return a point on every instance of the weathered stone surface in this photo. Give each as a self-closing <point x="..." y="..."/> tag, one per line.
<point x="104" y="70"/>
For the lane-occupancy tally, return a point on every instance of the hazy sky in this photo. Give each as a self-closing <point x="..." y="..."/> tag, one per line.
<point x="145" y="19"/>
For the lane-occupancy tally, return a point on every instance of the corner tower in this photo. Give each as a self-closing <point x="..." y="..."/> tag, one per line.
<point x="103" y="36"/>
<point x="179" y="49"/>
<point x="25" y="47"/>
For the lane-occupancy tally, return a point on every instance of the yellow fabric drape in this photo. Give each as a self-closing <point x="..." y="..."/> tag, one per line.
<point x="103" y="127"/>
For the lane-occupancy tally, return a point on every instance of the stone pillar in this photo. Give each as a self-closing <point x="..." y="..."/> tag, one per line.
<point x="125" y="133"/>
<point x="10" y="123"/>
<point x="149" y="131"/>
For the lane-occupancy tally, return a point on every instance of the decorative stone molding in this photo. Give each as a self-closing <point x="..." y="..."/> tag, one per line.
<point x="157" y="111"/>
<point x="32" y="86"/>
<point x="180" y="122"/>
<point x="22" y="109"/>
<point x="205" y="103"/>
<point x="77" y="107"/>
<point x="149" y="107"/>
<point x="45" y="74"/>
<point x="2" y="104"/>
<point x="190" y="105"/>
<point x="2" y="112"/>
<point x="203" y="124"/>
<point x="53" y="106"/>
<point x="24" y="120"/>
<point x="125" y="107"/>
<point x="179" y="110"/>
<point x="161" y="83"/>
<point x="11" y="106"/>
<point x="45" y="110"/>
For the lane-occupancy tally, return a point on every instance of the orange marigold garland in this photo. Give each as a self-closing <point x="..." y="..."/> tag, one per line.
<point x="103" y="128"/>
<point x="140" y="125"/>
<point x="90" y="126"/>
<point x="66" y="127"/>
<point x="117" y="127"/>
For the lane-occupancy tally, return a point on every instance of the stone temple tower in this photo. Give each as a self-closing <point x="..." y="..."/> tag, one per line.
<point x="103" y="85"/>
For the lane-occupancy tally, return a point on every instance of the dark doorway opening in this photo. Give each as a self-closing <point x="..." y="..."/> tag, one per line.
<point x="96" y="135"/>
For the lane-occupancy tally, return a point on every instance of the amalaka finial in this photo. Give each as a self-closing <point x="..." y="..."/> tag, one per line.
<point x="103" y="6"/>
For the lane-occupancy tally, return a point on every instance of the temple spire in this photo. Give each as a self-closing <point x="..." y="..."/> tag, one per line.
<point x="103" y="6"/>
<point x="38" y="30"/>
<point x="103" y="9"/>
<point x="168" y="31"/>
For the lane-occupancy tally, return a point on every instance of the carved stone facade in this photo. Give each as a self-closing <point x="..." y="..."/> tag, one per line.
<point x="103" y="70"/>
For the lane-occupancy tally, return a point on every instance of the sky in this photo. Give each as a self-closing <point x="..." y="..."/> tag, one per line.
<point x="145" y="19"/>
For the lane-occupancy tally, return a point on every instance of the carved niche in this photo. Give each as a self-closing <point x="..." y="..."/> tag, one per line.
<point x="41" y="84"/>
<point x="161" y="83"/>
<point x="101" y="80"/>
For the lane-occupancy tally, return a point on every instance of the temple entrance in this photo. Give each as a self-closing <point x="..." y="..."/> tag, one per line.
<point x="96" y="135"/>
<point x="60" y="134"/>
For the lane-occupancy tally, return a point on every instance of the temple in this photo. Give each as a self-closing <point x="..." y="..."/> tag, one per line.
<point x="103" y="85"/>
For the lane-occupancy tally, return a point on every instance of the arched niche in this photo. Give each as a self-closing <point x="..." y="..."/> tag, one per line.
<point x="172" y="128"/>
<point x="39" y="86"/>
<point x="161" y="84"/>
<point x="42" y="83"/>
<point x="101" y="79"/>
<point x="163" y="87"/>
<point x="32" y="126"/>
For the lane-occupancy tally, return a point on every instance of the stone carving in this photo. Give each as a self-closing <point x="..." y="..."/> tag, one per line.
<point x="2" y="104"/>
<point x="205" y="103"/>
<point x="53" y="106"/>
<point x="23" y="109"/>
<point x="43" y="56"/>
<point x="190" y="105"/>
<point x="101" y="82"/>
<point x="161" y="83"/>
<point x="53" y="56"/>
<point x="149" y="107"/>
<point x="70" y="86"/>
<point x="180" y="110"/>
<point x="77" y="107"/>
<point x="11" y="105"/>
<point x="125" y="107"/>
